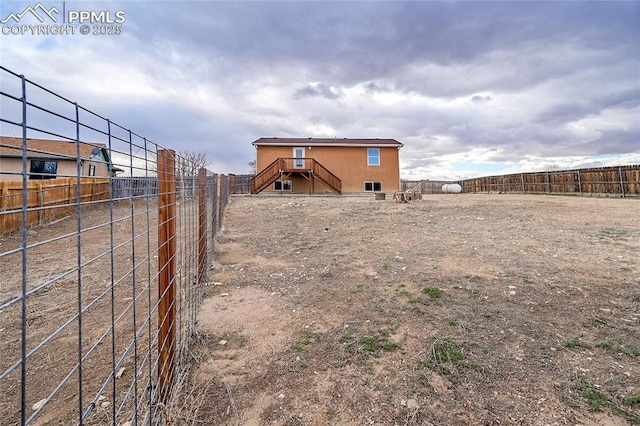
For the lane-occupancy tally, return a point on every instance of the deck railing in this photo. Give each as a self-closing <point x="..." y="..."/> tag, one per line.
<point x="327" y="177"/>
<point x="266" y="176"/>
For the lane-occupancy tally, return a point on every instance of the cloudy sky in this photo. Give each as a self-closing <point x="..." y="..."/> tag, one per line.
<point x="471" y="88"/>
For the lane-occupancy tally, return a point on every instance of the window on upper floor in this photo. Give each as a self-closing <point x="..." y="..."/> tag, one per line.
<point x="373" y="156"/>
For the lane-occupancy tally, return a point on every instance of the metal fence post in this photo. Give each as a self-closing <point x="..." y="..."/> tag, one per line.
<point x="202" y="226"/>
<point x="23" y="296"/>
<point x="621" y="182"/>
<point x="548" y="183"/>
<point x="579" y="182"/>
<point x="166" y="266"/>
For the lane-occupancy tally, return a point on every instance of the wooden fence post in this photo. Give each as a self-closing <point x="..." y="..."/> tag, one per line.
<point x="220" y="202"/>
<point x="166" y="267"/>
<point x="202" y="226"/>
<point x="214" y="209"/>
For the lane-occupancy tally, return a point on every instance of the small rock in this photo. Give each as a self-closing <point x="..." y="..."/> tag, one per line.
<point x="120" y="373"/>
<point x="222" y="342"/>
<point x="412" y="404"/>
<point x="105" y="404"/>
<point x="281" y="396"/>
<point x="224" y="294"/>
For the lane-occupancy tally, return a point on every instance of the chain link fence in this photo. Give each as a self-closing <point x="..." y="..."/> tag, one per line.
<point x="104" y="250"/>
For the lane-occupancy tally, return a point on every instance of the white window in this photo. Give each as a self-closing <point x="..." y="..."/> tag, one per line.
<point x="373" y="156"/>
<point x="298" y="154"/>
<point x="92" y="170"/>
<point x="282" y="185"/>
<point x="372" y="186"/>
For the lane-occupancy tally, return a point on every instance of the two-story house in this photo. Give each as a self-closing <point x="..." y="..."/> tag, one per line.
<point x="324" y="165"/>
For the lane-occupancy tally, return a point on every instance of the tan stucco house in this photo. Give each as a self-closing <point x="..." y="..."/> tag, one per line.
<point x="326" y="165"/>
<point x="50" y="159"/>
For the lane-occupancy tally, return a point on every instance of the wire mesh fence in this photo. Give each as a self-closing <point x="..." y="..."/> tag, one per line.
<point x="104" y="247"/>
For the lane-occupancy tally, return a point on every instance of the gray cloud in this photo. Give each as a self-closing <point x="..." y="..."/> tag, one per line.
<point x="509" y="80"/>
<point x="318" y="90"/>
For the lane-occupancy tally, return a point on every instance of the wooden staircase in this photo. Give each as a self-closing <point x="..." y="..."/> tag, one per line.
<point x="307" y="167"/>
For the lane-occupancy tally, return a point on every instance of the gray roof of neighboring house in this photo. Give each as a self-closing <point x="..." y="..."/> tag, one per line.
<point x="327" y="142"/>
<point x="52" y="149"/>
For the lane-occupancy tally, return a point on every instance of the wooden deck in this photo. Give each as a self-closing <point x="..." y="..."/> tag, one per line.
<point x="309" y="168"/>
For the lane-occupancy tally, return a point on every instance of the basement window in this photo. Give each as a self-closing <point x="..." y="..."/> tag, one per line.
<point x="372" y="186"/>
<point x="43" y="169"/>
<point x="282" y="185"/>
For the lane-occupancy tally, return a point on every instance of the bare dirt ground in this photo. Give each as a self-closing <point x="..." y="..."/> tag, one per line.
<point x="454" y="310"/>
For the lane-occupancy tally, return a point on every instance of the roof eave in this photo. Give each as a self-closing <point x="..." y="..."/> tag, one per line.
<point x="312" y="143"/>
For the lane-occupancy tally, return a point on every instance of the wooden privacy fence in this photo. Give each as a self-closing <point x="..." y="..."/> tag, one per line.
<point x="622" y="181"/>
<point x="47" y="199"/>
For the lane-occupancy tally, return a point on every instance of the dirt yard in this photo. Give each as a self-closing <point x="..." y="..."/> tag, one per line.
<point x="453" y="310"/>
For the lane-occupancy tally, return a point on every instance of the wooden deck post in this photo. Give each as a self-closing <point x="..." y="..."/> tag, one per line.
<point x="202" y="226"/>
<point x="166" y="267"/>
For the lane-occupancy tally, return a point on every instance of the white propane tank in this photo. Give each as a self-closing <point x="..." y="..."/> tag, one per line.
<point x="451" y="188"/>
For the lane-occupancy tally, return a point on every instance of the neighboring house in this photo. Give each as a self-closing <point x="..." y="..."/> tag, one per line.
<point x="49" y="159"/>
<point x="314" y="165"/>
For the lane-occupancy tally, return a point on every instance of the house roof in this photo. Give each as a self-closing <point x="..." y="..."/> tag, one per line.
<point x="327" y="142"/>
<point x="46" y="148"/>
